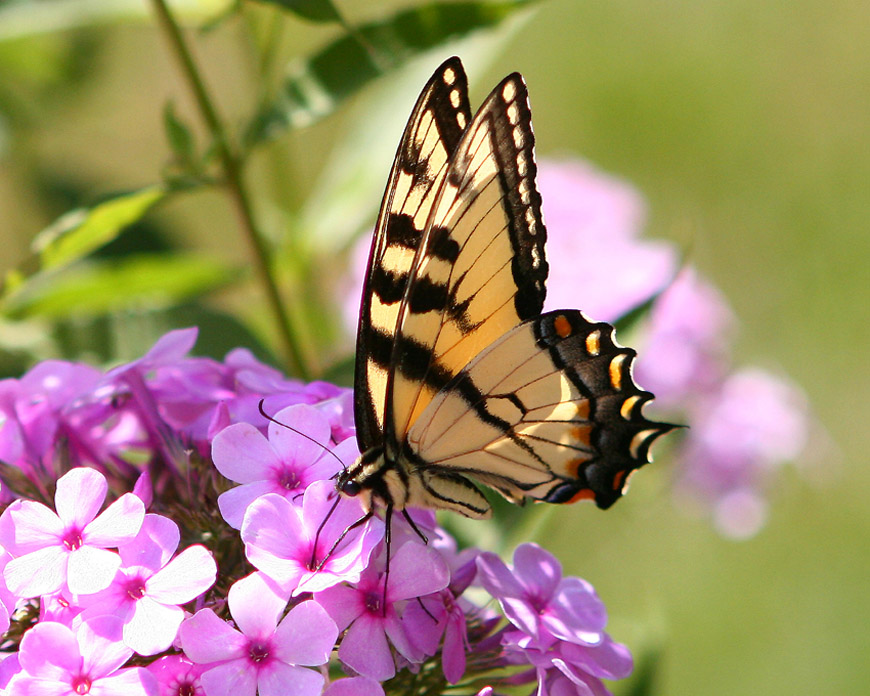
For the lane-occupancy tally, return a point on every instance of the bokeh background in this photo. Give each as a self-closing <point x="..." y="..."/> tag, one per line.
<point x="744" y="125"/>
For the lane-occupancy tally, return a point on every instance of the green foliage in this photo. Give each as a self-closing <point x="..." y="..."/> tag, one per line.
<point x="68" y="276"/>
<point x="84" y="230"/>
<point x="313" y="10"/>
<point x="318" y="84"/>
<point x="100" y="287"/>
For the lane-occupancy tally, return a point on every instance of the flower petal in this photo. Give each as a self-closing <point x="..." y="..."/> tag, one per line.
<point x="27" y="526"/>
<point x="49" y="651"/>
<point x="308" y="439"/>
<point x="496" y="578"/>
<point x="153" y="626"/>
<point x="206" y="638"/>
<point x="342" y="603"/>
<point x="101" y="645"/>
<point x="184" y="578"/>
<point x="306" y="635"/>
<point x="242" y="454"/>
<point x="365" y="650"/>
<point x="234" y="678"/>
<point x="287" y="680"/>
<point x="255" y="606"/>
<point x="235" y="502"/>
<point x="154" y="545"/>
<point x="38" y="573"/>
<point x="274" y="534"/>
<point x="118" y="524"/>
<point x="416" y="570"/>
<point x="537" y="569"/>
<point x="79" y="496"/>
<point x="135" y="681"/>
<point x="90" y="570"/>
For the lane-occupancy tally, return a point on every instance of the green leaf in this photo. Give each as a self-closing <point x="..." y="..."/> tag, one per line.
<point x="179" y="136"/>
<point x="96" y="288"/>
<point x="316" y="86"/>
<point x="313" y="10"/>
<point x="79" y="232"/>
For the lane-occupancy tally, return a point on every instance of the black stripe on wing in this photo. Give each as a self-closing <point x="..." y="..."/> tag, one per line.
<point x="481" y="268"/>
<point x="431" y="135"/>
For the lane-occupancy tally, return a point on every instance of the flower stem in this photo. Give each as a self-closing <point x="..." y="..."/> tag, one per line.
<point x="231" y="163"/>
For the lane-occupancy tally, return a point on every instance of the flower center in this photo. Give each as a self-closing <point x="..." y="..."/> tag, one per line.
<point x="73" y="540"/>
<point x="289" y="479"/>
<point x="258" y="652"/>
<point x="81" y="685"/>
<point x="135" y="588"/>
<point x="373" y="602"/>
<point x="186" y="689"/>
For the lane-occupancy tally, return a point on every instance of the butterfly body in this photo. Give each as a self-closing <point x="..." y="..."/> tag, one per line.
<point x="459" y="374"/>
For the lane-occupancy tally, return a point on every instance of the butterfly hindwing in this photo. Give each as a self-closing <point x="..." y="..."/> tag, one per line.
<point x="549" y="412"/>
<point x="480" y="269"/>
<point x="433" y="131"/>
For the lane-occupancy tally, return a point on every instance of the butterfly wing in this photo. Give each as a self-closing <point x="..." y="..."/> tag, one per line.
<point x="432" y="134"/>
<point x="480" y="268"/>
<point x="549" y="412"/>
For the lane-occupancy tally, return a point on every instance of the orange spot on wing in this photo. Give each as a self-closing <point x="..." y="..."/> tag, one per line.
<point x="582" y="494"/>
<point x="562" y="326"/>
<point x="582" y="434"/>
<point x="582" y="409"/>
<point x="572" y="467"/>
<point x="618" y="480"/>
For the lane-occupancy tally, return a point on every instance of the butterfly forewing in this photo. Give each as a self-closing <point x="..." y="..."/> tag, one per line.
<point x="549" y="411"/>
<point x="432" y="134"/>
<point x="480" y="269"/>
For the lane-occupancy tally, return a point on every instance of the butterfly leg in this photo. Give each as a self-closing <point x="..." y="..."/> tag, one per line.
<point x="341" y="537"/>
<point x="415" y="527"/>
<point x="388" y="540"/>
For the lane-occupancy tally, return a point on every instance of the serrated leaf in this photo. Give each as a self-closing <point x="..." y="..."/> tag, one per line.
<point x="313" y="10"/>
<point x="316" y="86"/>
<point x="79" y="232"/>
<point x="96" y="288"/>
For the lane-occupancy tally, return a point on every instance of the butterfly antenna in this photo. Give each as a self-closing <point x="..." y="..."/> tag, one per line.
<point x="298" y="432"/>
<point x="313" y="563"/>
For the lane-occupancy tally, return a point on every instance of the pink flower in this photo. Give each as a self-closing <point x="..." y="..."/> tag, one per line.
<point x="55" y="660"/>
<point x="740" y="436"/>
<point x="68" y="548"/>
<point x="371" y="611"/>
<point x="285" y="464"/>
<point x="151" y="584"/>
<point x="598" y="262"/>
<point x="287" y="542"/>
<point x="177" y="676"/>
<point x="686" y="343"/>
<point x="263" y="656"/>
<point x="539" y="601"/>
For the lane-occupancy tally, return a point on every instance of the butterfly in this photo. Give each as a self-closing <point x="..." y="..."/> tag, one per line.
<point x="460" y="378"/>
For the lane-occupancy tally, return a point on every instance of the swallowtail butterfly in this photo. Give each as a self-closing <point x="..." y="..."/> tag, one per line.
<point x="459" y="375"/>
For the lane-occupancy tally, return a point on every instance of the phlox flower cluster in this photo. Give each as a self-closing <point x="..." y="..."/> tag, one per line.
<point x="161" y="536"/>
<point x="744" y="422"/>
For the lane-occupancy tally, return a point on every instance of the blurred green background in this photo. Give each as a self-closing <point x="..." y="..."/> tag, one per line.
<point x="744" y="124"/>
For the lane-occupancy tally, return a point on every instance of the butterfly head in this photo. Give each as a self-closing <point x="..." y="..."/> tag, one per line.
<point x="364" y="479"/>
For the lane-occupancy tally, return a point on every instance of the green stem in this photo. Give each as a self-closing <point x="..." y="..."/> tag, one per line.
<point x="232" y="169"/>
